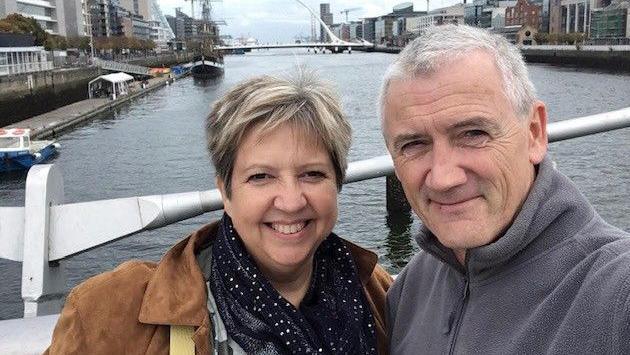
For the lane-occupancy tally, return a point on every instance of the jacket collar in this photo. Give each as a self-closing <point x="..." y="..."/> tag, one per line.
<point x="176" y="293"/>
<point x="553" y="211"/>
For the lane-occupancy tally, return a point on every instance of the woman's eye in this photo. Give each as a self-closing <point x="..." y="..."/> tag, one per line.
<point x="258" y="177"/>
<point x="314" y="175"/>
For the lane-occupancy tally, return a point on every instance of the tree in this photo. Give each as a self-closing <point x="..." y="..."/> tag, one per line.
<point x="55" y="42"/>
<point x="541" y="38"/>
<point x="82" y="43"/>
<point x="16" y="23"/>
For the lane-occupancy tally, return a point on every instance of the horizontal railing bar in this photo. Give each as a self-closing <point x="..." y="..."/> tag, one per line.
<point x="108" y="220"/>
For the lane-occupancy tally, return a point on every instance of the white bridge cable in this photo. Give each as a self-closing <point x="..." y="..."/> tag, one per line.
<point x="77" y="227"/>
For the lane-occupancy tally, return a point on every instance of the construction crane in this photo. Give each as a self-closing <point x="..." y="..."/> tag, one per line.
<point x="345" y="11"/>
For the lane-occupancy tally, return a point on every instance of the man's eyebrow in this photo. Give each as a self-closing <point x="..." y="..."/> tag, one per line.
<point x="480" y="122"/>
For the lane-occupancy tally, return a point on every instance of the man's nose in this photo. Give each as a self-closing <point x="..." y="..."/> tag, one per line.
<point x="290" y="197"/>
<point x="445" y="171"/>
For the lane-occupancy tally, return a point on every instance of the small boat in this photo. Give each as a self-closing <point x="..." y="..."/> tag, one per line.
<point x="206" y="69"/>
<point x="18" y="152"/>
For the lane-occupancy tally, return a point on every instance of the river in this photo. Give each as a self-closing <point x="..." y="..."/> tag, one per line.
<point x="156" y="145"/>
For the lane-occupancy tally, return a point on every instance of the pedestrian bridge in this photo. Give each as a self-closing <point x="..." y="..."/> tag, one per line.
<point x="121" y="67"/>
<point x="332" y="46"/>
<point x="335" y="45"/>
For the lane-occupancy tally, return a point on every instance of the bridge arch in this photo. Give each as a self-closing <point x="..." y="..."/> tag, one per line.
<point x="333" y="38"/>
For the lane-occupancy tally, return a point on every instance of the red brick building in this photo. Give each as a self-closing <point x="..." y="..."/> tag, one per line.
<point x="524" y="13"/>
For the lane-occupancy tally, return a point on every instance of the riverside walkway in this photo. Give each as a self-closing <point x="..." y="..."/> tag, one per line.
<point x="53" y="122"/>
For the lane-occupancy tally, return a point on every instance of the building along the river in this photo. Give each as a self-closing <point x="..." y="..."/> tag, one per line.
<point x="611" y="22"/>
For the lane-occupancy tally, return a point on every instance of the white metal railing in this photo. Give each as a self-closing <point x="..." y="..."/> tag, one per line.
<point x="12" y="69"/>
<point x="123" y="67"/>
<point x="46" y="229"/>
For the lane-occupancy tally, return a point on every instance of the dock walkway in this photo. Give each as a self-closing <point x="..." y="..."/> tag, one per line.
<point x="54" y="122"/>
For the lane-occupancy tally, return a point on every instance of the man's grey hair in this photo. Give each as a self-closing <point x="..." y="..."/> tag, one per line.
<point x="266" y="102"/>
<point x="441" y="45"/>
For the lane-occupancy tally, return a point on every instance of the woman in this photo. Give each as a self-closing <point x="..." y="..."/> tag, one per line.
<point x="269" y="277"/>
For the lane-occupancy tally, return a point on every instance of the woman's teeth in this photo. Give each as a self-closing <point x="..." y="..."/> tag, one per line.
<point x="288" y="228"/>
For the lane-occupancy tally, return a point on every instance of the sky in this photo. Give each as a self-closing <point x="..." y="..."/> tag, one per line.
<point x="272" y="21"/>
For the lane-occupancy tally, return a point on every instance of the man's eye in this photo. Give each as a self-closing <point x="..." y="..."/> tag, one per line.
<point x="475" y="137"/>
<point x="413" y="147"/>
<point x="474" y="133"/>
<point x="258" y="177"/>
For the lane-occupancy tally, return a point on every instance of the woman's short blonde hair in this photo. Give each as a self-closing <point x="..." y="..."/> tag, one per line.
<point x="267" y="101"/>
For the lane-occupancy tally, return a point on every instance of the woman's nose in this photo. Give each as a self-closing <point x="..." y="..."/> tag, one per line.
<point x="290" y="197"/>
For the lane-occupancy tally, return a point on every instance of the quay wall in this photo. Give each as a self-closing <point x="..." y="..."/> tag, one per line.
<point x="27" y="95"/>
<point x="21" y="98"/>
<point x="163" y="60"/>
<point x="53" y="127"/>
<point x="610" y="58"/>
<point x="615" y="58"/>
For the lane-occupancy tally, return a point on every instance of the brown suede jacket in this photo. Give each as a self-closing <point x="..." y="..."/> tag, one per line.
<point x="129" y="310"/>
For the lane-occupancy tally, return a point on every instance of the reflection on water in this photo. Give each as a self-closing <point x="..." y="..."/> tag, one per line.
<point x="199" y="82"/>
<point x="399" y="238"/>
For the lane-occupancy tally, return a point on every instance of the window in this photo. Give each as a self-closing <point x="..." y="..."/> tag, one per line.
<point x="9" y="142"/>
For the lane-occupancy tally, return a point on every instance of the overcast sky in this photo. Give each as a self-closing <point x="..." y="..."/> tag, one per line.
<point x="282" y="20"/>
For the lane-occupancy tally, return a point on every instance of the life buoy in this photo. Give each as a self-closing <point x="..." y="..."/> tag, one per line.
<point x="2" y="132"/>
<point x="18" y="131"/>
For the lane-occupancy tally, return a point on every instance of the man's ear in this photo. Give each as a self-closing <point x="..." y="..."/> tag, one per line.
<point x="537" y="133"/>
<point x="221" y="187"/>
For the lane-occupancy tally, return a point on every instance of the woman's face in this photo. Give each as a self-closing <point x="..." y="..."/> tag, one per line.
<point x="284" y="197"/>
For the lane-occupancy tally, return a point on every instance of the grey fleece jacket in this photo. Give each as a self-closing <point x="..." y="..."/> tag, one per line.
<point x="557" y="282"/>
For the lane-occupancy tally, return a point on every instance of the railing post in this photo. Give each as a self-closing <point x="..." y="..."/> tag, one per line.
<point x="43" y="283"/>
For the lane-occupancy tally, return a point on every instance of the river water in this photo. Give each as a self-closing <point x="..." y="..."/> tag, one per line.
<point x="155" y="145"/>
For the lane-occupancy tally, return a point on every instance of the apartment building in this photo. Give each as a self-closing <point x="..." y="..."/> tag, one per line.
<point x="58" y="17"/>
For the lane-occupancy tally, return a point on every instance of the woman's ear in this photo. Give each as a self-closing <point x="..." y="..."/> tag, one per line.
<point x="221" y="186"/>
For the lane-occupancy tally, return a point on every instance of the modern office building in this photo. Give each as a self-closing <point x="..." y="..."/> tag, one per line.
<point x="479" y="13"/>
<point x="137" y="7"/>
<point x="99" y="11"/>
<point x="611" y="22"/>
<point x="59" y="17"/>
<point x="356" y="30"/>
<point x="369" y="29"/>
<point x="327" y="18"/>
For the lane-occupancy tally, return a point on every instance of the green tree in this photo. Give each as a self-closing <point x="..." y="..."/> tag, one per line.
<point x="55" y="42"/>
<point x="16" y="23"/>
<point x="541" y="38"/>
<point x="82" y="43"/>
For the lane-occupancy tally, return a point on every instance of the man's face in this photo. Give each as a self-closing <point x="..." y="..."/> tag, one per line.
<point x="464" y="158"/>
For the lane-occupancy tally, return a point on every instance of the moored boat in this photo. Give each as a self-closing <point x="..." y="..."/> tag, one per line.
<point x="18" y="152"/>
<point x="206" y="68"/>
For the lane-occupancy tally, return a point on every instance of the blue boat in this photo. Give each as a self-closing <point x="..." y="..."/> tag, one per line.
<point x="18" y="152"/>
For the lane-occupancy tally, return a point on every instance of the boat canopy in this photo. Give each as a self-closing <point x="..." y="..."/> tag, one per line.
<point x="14" y="139"/>
<point x="110" y="85"/>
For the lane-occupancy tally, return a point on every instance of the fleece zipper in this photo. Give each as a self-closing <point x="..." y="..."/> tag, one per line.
<point x="460" y="315"/>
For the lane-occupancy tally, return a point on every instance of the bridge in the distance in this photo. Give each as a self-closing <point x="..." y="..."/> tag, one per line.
<point x="336" y="45"/>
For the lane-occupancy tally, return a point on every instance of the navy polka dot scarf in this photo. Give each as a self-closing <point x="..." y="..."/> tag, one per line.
<point x="333" y="318"/>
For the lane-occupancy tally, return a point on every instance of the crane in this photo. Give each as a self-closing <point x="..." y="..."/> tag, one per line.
<point x="349" y="10"/>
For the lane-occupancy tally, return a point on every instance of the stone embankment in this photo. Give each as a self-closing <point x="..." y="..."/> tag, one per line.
<point x="26" y="95"/>
<point x="615" y="57"/>
<point x="55" y="122"/>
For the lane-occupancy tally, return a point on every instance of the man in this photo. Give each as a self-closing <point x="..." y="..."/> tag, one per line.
<point x="514" y="259"/>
